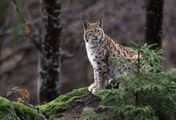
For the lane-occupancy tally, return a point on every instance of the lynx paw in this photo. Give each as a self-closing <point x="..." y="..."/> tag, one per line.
<point x="91" y="87"/>
<point x="95" y="90"/>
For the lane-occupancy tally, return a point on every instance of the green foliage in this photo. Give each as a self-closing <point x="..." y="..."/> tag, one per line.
<point x="132" y="112"/>
<point x="90" y="114"/>
<point x="150" y="94"/>
<point x="150" y="57"/>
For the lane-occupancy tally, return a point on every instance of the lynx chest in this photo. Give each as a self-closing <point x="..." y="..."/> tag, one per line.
<point x="96" y="55"/>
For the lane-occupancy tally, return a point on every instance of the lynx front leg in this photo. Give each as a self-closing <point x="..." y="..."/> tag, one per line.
<point x="94" y="84"/>
<point x="101" y="76"/>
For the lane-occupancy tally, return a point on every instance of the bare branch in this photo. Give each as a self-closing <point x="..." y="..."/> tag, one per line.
<point x="28" y="28"/>
<point x="16" y="6"/>
<point x="28" y="31"/>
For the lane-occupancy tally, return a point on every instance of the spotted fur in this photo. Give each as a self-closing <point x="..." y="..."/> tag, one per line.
<point x="101" y="50"/>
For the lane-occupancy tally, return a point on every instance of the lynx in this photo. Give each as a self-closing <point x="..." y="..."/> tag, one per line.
<point x="101" y="50"/>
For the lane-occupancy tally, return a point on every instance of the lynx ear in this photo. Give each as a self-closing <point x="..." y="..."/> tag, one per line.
<point x="100" y="22"/>
<point x="86" y="24"/>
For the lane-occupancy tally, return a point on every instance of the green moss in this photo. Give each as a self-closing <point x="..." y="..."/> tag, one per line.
<point x="18" y="111"/>
<point x="63" y="102"/>
<point x="26" y="113"/>
<point x="7" y="111"/>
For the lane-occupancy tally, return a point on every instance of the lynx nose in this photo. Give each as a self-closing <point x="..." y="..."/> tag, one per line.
<point x="95" y="37"/>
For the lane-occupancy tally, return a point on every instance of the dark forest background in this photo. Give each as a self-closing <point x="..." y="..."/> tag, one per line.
<point x="124" y="21"/>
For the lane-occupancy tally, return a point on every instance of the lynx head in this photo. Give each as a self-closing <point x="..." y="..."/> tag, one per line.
<point x="93" y="32"/>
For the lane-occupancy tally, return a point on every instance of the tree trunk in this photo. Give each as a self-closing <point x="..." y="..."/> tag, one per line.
<point x="49" y="59"/>
<point x="154" y="21"/>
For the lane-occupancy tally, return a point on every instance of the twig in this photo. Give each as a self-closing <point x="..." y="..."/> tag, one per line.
<point x="28" y="28"/>
<point x="138" y="59"/>
<point x="16" y="6"/>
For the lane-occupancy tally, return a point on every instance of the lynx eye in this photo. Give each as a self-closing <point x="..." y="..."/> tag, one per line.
<point x="98" y="31"/>
<point x="90" y="33"/>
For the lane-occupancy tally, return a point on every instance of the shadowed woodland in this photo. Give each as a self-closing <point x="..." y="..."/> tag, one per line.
<point x="42" y="48"/>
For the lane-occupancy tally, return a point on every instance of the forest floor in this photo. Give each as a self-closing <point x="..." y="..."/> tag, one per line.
<point x="65" y="107"/>
<point x="75" y="112"/>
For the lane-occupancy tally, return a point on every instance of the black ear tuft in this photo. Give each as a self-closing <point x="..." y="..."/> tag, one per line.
<point x="100" y="22"/>
<point x="86" y="24"/>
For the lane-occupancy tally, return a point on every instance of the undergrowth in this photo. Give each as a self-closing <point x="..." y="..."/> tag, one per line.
<point x="150" y="94"/>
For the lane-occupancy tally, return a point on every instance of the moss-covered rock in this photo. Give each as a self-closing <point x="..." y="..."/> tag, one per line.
<point x="18" y="111"/>
<point x="26" y="113"/>
<point x="7" y="111"/>
<point x="62" y="103"/>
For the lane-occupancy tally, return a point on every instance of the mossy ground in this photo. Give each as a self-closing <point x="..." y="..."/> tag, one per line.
<point x="7" y="111"/>
<point x="65" y="105"/>
<point x="17" y="111"/>
<point x="62" y="103"/>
